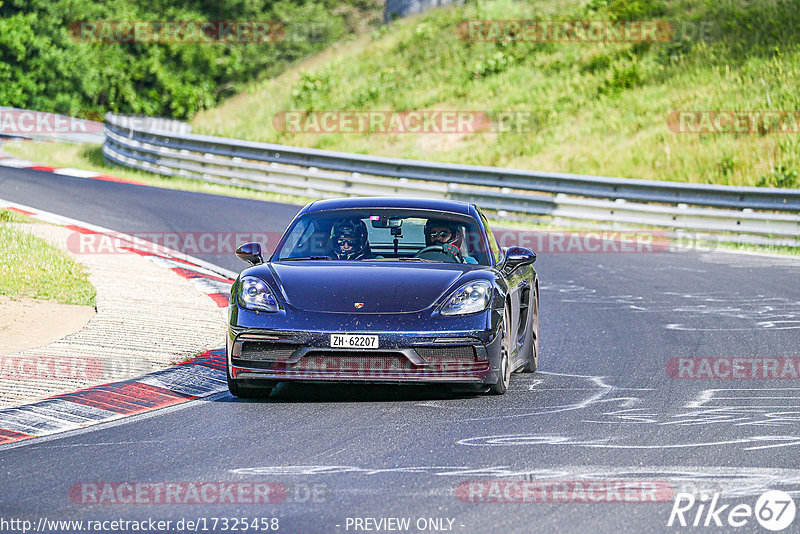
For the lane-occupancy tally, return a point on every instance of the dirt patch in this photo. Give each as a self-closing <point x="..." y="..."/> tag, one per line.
<point x="29" y="323"/>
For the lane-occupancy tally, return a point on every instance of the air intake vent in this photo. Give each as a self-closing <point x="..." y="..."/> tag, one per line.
<point x="447" y="354"/>
<point x="266" y="351"/>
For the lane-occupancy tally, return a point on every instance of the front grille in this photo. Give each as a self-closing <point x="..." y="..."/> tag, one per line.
<point x="266" y="351"/>
<point x="465" y="353"/>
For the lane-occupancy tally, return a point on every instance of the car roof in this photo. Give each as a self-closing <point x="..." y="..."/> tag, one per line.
<point x="451" y="206"/>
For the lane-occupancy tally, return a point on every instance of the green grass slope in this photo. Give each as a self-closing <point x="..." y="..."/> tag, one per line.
<point x="33" y="268"/>
<point x="601" y="108"/>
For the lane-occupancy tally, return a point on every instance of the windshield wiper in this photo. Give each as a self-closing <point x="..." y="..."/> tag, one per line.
<point x="300" y="258"/>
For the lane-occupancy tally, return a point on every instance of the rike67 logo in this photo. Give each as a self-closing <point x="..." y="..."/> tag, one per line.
<point x="774" y="510"/>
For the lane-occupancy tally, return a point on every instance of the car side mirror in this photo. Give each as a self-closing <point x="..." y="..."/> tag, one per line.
<point x="518" y="256"/>
<point x="251" y="253"/>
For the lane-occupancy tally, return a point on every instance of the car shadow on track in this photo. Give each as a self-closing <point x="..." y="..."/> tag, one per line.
<point x="286" y="392"/>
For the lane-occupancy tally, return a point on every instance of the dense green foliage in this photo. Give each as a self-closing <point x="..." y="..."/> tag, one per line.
<point x="44" y="67"/>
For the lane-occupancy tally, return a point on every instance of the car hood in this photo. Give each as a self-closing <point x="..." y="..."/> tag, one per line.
<point x="339" y="287"/>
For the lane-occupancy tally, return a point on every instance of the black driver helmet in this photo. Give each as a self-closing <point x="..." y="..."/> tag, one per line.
<point x="349" y="239"/>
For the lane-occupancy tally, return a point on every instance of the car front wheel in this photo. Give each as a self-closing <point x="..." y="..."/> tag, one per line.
<point x="533" y="335"/>
<point x="505" y="359"/>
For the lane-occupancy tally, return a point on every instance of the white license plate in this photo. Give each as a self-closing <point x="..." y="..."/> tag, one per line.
<point x="354" y="341"/>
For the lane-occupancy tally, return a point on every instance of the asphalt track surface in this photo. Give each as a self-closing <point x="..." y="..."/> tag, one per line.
<point x="602" y="408"/>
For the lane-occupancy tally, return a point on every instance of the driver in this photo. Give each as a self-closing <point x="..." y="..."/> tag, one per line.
<point x="448" y="235"/>
<point x="441" y="233"/>
<point x="349" y="240"/>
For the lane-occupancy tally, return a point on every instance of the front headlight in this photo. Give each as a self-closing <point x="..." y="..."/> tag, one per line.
<point x="470" y="298"/>
<point x="254" y="294"/>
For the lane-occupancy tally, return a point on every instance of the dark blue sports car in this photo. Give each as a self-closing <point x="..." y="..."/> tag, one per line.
<point x="384" y="290"/>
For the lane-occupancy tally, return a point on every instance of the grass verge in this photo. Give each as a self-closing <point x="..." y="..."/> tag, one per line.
<point x="33" y="268"/>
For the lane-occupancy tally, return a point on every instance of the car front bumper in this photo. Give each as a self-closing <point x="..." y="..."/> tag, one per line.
<point x="455" y="357"/>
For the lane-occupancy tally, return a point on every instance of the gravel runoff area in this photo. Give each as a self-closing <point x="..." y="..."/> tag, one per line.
<point x="148" y="317"/>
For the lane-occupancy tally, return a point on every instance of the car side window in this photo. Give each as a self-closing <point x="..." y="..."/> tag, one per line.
<point x="496" y="252"/>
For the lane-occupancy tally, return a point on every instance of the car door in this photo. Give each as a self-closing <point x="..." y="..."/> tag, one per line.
<point x="519" y="292"/>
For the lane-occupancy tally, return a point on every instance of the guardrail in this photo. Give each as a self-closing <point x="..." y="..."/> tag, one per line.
<point x="750" y="214"/>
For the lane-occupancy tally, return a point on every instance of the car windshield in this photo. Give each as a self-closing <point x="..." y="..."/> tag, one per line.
<point x="384" y="235"/>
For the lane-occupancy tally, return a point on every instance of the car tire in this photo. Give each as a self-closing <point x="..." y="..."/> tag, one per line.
<point x="504" y="380"/>
<point x="532" y="363"/>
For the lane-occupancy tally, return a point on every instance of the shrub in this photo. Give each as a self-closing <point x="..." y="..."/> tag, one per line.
<point x="44" y="68"/>
<point x="781" y="176"/>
